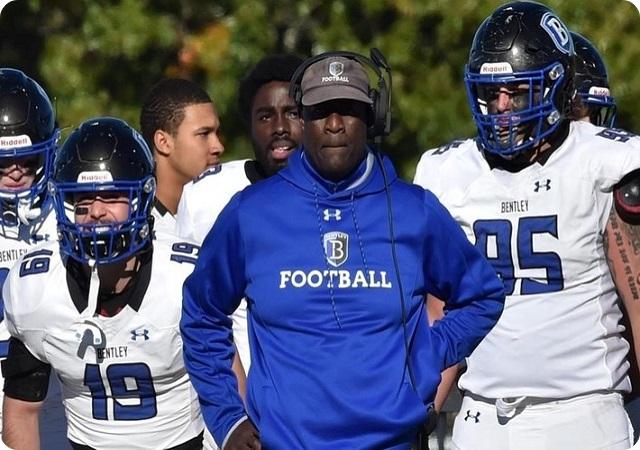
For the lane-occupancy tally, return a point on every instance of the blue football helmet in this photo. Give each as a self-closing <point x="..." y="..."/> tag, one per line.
<point x="103" y="156"/>
<point x="28" y="137"/>
<point x="592" y="83"/>
<point x="525" y="50"/>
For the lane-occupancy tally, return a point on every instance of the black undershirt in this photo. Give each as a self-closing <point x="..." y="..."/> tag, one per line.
<point x="522" y="160"/>
<point x="109" y="304"/>
<point x="157" y="204"/>
<point x="254" y="171"/>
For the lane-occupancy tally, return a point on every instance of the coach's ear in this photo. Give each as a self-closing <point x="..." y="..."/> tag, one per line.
<point x="162" y="142"/>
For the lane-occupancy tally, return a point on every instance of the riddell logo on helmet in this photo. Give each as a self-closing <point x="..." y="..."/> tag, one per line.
<point x="15" y="141"/>
<point x="97" y="176"/>
<point x="596" y="90"/>
<point x="501" y="67"/>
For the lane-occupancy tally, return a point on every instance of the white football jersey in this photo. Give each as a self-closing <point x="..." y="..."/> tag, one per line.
<point x="203" y="198"/>
<point x="542" y="230"/>
<point x="201" y="202"/>
<point x="124" y="383"/>
<point x="15" y="242"/>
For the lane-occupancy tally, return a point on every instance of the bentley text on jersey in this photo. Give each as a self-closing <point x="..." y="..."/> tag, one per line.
<point x="517" y="206"/>
<point x="12" y="254"/>
<point x="119" y="351"/>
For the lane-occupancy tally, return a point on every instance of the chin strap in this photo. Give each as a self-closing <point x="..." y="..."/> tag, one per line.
<point x="26" y="213"/>
<point x="89" y="333"/>
<point x="94" y="287"/>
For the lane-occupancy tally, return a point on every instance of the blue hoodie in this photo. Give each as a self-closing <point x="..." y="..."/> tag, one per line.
<point x="314" y="259"/>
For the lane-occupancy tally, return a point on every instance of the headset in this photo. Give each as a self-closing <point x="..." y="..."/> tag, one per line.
<point x="380" y="123"/>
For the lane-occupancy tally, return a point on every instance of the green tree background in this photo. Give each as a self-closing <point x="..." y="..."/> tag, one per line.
<point x="100" y="57"/>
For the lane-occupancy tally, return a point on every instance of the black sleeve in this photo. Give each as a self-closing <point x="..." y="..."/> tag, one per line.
<point x="25" y="377"/>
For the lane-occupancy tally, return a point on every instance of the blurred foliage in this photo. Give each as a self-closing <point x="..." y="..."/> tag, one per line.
<point x="100" y="57"/>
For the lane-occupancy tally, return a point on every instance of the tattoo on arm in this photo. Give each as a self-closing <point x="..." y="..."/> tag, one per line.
<point x="622" y="247"/>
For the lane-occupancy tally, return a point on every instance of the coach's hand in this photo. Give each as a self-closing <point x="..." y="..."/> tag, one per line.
<point x="243" y="437"/>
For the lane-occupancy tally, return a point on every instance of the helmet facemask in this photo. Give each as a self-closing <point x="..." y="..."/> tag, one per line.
<point x="30" y="203"/>
<point x="28" y="139"/>
<point x="533" y="115"/>
<point x="104" y="243"/>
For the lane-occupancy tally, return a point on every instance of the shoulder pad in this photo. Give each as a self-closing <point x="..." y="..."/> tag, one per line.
<point x="210" y="171"/>
<point x="615" y="134"/>
<point x="453" y="144"/>
<point x="626" y="196"/>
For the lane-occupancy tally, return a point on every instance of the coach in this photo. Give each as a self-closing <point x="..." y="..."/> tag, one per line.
<point x="345" y="359"/>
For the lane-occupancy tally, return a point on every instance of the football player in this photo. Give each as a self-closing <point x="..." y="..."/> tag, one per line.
<point x="592" y="84"/>
<point x="533" y="191"/>
<point x="599" y="107"/>
<point x="28" y="137"/>
<point x="99" y="308"/>
<point x="180" y="124"/>
<point x="276" y="130"/>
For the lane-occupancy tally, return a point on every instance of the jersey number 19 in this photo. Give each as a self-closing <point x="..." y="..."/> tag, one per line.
<point x="132" y="394"/>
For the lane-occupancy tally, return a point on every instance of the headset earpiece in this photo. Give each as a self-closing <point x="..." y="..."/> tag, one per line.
<point x="380" y="123"/>
<point x="295" y="92"/>
<point x="373" y="111"/>
<point x="383" y="113"/>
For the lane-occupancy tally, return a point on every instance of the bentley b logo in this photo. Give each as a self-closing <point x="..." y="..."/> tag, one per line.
<point x="336" y="247"/>
<point x="336" y="68"/>
<point x="90" y="335"/>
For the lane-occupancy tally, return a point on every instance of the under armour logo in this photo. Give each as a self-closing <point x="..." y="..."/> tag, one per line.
<point x="336" y="214"/>
<point x="471" y="416"/>
<point x="135" y="334"/>
<point x="546" y="185"/>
